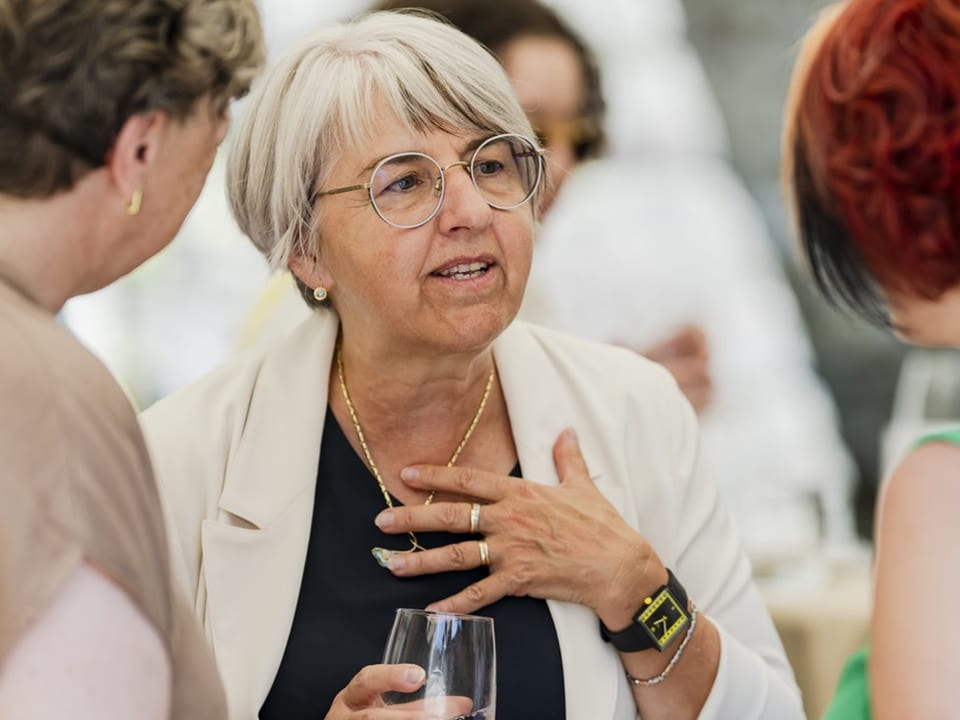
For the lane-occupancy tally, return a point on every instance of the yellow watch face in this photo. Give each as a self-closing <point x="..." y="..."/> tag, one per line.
<point x="663" y="618"/>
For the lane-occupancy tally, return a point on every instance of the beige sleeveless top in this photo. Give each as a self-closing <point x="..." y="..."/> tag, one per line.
<point x="76" y="485"/>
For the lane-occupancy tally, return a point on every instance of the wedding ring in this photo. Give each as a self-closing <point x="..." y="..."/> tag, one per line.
<point x="484" y="553"/>
<point x="475" y="518"/>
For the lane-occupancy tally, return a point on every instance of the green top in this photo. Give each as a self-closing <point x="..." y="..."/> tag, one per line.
<point x="851" y="701"/>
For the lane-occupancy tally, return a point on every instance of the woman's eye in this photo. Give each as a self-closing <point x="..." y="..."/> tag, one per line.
<point x="403" y="184"/>
<point x="488" y="167"/>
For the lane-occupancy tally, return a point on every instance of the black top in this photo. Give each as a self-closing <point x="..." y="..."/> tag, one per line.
<point x="347" y="602"/>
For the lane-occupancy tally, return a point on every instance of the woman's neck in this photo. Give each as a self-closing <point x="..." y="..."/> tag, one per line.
<point x="45" y="248"/>
<point x="418" y="411"/>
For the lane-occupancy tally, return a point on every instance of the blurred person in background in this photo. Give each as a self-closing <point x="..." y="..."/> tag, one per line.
<point x="110" y="114"/>
<point x="665" y="253"/>
<point x="387" y="163"/>
<point x="870" y="146"/>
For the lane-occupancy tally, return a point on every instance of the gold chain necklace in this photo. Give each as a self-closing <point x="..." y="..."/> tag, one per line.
<point x="382" y="554"/>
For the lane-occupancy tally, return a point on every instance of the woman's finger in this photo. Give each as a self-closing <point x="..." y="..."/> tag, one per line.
<point x="473" y="597"/>
<point x="571" y="467"/>
<point x="459" y="480"/>
<point x="451" y="517"/>
<point x="456" y="556"/>
<point x="365" y="688"/>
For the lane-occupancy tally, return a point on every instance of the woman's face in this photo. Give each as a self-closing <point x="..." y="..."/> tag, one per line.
<point x="547" y="77"/>
<point x="395" y="288"/>
<point x="932" y="323"/>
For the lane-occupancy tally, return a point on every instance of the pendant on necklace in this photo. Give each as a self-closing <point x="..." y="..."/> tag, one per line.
<point x="383" y="555"/>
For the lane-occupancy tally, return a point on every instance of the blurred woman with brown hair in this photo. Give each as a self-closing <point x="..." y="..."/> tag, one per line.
<point x="110" y="114"/>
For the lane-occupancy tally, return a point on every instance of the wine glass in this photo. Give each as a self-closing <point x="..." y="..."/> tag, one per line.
<point x="457" y="653"/>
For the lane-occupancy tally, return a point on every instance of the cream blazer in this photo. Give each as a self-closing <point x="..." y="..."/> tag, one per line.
<point x="236" y="461"/>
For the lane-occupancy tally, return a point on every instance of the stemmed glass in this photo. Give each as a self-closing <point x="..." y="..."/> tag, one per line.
<point x="458" y="654"/>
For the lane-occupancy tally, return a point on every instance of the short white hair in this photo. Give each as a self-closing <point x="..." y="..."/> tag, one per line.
<point x="323" y="99"/>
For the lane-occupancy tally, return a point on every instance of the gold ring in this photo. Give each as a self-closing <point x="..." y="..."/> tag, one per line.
<point x="475" y="518"/>
<point x="484" y="553"/>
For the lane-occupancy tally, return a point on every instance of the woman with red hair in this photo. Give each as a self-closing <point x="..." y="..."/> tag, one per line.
<point x="872" y="171"/>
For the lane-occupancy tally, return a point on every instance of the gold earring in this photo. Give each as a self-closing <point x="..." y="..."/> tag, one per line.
<point x="320" y="293"/>
<point x="136" y="200"/>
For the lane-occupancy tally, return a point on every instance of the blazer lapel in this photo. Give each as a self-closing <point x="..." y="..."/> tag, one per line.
<point x="254" y="552"/>
<point x="528" y="375"/>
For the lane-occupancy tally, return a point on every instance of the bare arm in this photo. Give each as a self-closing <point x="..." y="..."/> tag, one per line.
<point x="914" y="664"/>
<point x="90" y="655"/>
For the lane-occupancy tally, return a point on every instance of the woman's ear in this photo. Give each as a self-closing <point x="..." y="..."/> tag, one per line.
<point x="134" y="150"/>
<point x="310" y="271"/>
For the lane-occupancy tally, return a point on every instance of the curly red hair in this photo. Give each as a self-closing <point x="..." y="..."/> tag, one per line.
<point x="875" y="144"/>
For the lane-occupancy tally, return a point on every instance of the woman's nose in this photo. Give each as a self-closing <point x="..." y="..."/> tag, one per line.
<point x="463" y="205"/>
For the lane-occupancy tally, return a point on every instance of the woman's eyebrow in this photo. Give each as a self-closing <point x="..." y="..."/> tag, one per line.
<point x="474" y="144"/>
<point x="468" y="147"/>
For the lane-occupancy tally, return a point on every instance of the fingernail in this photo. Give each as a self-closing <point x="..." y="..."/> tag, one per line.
<point x="413" y="675"/>
<point x="384" y="519"/>
<point x="396" y="562"/>
<point x="408" y="474"/>
<point x="571" y="436"/>
<point x="382" y="555"/>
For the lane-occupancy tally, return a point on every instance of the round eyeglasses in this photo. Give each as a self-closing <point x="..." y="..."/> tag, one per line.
<point x="407" y="189"/>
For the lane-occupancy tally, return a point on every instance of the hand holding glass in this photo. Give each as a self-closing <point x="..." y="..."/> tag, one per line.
<point x="458" y="654"/>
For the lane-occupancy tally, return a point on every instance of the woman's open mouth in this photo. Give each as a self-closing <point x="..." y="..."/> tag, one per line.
<point x="463" y="271"/>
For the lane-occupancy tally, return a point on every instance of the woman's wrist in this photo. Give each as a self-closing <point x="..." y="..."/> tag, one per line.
<point x="627" y="591"/>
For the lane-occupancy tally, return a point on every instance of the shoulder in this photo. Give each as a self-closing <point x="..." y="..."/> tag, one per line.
<point x="43" y="361"/>
<point x="64" y="417"/>
<point x="194" y="434"/>
<point x="917" y="510"/>
<point x="926" y="480"/>
<point x="196" y="426"/>
<point x="630" y="405"/>
<point x="222" y="397"/>
<point x="216" y="396"/>
<point x="608" y="370"/>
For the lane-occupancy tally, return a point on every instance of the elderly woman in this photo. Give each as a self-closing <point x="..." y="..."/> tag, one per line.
<point x="110" y="114"/>
<point x="871" y="170"/>
<point x="387" y="163"/>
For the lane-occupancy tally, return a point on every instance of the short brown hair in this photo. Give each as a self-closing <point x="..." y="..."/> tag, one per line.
<point x="72" y="72"/>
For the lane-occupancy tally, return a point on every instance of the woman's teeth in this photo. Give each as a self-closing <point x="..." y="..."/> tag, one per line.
<point x="464" y="271"/>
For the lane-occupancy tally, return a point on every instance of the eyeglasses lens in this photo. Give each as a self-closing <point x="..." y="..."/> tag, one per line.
<point x="506" y="171"/>
<point x="406" y="189"/>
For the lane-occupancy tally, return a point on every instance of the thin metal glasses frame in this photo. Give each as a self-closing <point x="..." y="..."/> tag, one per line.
<point x="441" y="185"/>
